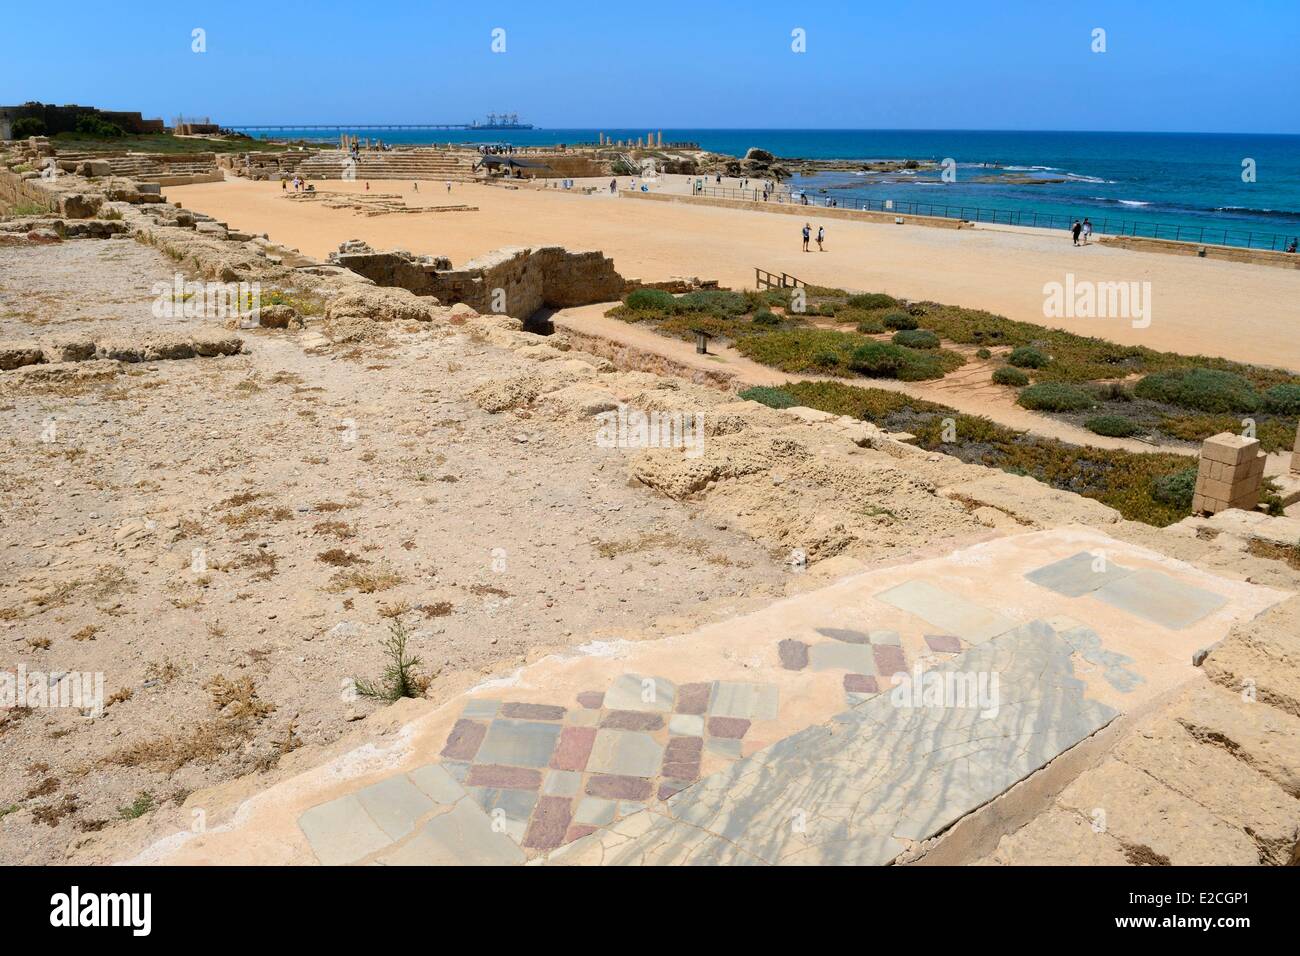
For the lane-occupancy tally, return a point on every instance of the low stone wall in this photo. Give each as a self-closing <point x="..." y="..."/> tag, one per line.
<point x="16" y="191"/>
<point x="1259" y="257"/>
<point x="187" y="180"/>
<point x="793" y="209"/>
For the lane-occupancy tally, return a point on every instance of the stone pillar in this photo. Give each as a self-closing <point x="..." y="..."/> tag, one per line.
<point x="1230" y="474"/>
<point x="660" y="137"/>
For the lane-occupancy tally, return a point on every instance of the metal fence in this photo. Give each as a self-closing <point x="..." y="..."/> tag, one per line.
<point x="1202" y="234"/>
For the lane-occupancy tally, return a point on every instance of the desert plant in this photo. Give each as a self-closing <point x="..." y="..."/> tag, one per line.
<point x="400" y="678"/>
<point x="1054" y="397"/>
<point x="138" y="807"/>
<point x="916" y="339"/>
<point x="870" y="326"/>
<point x="877" y="360"/>
<point x="983" y="354"/>
<point x="872" y="300"/>
<point x="717" y="301"/>
<point x="769" y="396"/>
<point x="1175" y="489"/>
<point x="1006" y="375"/>
<point x="1204" y="389"/>
<point x="1283" y="399"/>
<point x="650" y="300"/>
<point x="899" y="321"/>
<point x="766" y="318"/>
<point x="1112" y="426"/>
<point x="1026" y="356"/>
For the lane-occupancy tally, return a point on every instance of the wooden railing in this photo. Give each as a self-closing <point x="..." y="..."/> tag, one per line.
<point x="776" y="280"/>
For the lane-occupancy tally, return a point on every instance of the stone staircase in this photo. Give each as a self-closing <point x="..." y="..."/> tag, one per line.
<point x="412" y="164"/>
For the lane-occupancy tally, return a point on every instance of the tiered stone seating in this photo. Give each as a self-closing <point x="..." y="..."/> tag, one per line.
<point x="412" y="164"/>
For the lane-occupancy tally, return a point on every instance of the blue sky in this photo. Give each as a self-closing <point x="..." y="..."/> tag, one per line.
<point x="1191" y="65"/>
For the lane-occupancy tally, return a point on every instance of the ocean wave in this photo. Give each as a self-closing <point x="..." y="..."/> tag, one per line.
<point x="1250" y="211"/>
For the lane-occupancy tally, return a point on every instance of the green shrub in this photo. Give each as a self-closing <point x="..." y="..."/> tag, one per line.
<point x="89" y="124"/>
<point x="983" y="354"/>
<point x="26" y="126"/>
<point x="872" y="300"/>
<point x="651" y="300"/>
<point x="877" y="360"/>
<point x="869" y="404"/>
<point x="826" y="359"/>
<point x="916" y="339"/>
<point x="766" y="318"/>
<point x="900" y="321"/>
<point x="1054" y="397"/>
<point x="718" y="301"/>
<point x="1006" y="375"/>
<point x="921" y="366"/>
<point x="1204" y="389"/>
<point x="1113" y="426"/>
<point x="1026" y="356"/>
<point x="870" y="327"/>
<point x="769" y="396"/>
<point x="1283" y="399"/>
<point x="1175" y="489"/>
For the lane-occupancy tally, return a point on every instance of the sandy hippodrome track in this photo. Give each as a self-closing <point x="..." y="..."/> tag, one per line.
<point x="1239" y="311"/>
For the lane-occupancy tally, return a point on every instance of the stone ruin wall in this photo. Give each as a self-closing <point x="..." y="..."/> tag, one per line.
<point x="530" y="278"/>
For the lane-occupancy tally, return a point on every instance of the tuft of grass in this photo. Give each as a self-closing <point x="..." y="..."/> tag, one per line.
<point x="142" y="804"/>
<point x="367" y="582"/>
<point x="400" y="678"/>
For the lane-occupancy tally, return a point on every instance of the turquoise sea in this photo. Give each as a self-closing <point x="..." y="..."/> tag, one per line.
<point x="1173" y="185"/>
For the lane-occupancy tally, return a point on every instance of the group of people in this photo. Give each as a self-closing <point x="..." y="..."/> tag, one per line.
<point x="1081" y="229"/>
<point x="299" y="184"/>
<point x="807" y="237"/>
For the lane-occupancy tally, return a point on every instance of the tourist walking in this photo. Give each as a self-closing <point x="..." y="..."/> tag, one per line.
<point x="821" y="236"/>
<point x="613" y="186"/>
<point x="1291" y="248"/>
<point x="807" y="233"/>
<point x="415" y="186"/>
<point x="1087" y="230"/>
<point x="1075" y="230"/>
<point x="449" y="185"/>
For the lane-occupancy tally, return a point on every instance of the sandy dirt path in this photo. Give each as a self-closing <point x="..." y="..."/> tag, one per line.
<point x="1245" y="312"/>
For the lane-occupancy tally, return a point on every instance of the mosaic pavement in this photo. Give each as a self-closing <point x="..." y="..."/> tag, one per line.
<point x="835" y="726"/>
